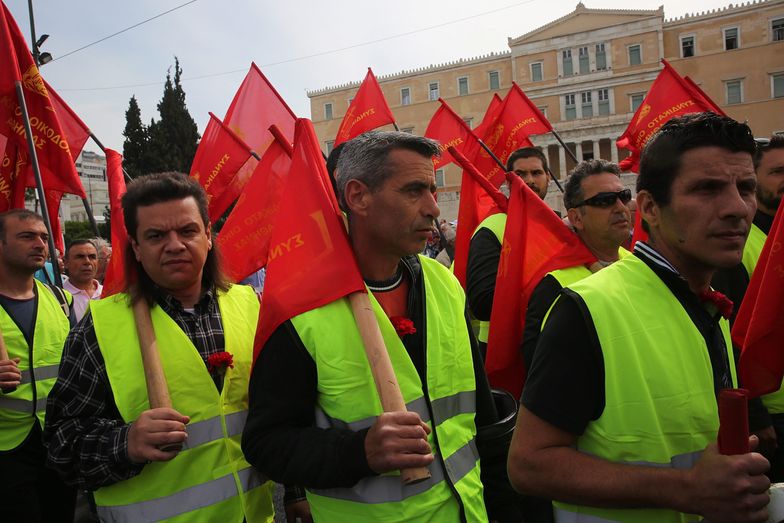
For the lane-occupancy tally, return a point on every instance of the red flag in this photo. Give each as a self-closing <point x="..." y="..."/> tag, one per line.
<point x="11" y="183"/>
<point x="535" y="242"/>
<point x="491" y="114"/>
<point x="478" y="200"/>
<point x="449" y="130"/>
<point x="114" y="281"/>
<point x="368" y="110"/>
<point x="255" y="107"/>
<point x="670" y="95"/>
<point x="220" y="155"/>
<point x="52" y="148"/>
<point x="310" y="262"/>
<point x="244" y="238"/>
<point x="76" y="131"/>
<point x="758" y="328"/>
<point x="517" y="119"/>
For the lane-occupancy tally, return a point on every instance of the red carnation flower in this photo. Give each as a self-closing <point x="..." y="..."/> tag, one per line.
<point x="402" y="325"/>
<point x="220" y="361"/>
<point x="721" y="302"/>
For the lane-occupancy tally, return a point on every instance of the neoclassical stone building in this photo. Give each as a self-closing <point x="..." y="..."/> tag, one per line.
<point x="588" y="71"/>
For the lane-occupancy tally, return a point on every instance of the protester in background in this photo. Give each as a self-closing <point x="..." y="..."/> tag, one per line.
<point x="447" y="253"/>
<point x="45" y="273"/>
<point x="104" y="256"/>
<point x="619" y="418"/>
<point x="34" y="322"/>
<point x="315" y="419"/>
<point x="766" y="420"/>
<point x="101" y="432"/>
<point x="81" y="265"/>
<point x="484" y="252"/>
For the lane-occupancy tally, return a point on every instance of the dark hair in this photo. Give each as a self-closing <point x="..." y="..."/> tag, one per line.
<point x="19" y="214"/>
<point x="661" y="157"/>
<point x="364" y="158"/>
<point x="527" y="152"/>
<point x="332" y="164"/>
<point x="573" y="190"/>
<point x="764" y="145"/>
<point x="80" y="241"/>
<point x="158" y="188"/>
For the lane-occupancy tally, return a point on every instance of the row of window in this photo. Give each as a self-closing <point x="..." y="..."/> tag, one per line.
<point x="433" y="91"/>
<point x="731" y="37"/>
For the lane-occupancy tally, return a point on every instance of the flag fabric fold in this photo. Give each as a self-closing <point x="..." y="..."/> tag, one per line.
<point x="449" y="130"/>
<point x="114" y="281"/>
<point x="758" y="328"/>
<point x="517" y="118"/>
<point x="670" y="95"/>
<point x="310" y="261"/>
<point x="535" y="242"/>
<point x="244" y="238"/>
<point x="52" y="147"/>
<point x="478" y="200"/>
<point x="368" y="110"/>
<point x="220" y="155"/>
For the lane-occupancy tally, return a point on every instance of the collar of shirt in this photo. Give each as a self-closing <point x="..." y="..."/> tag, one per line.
<point x="172" y="305"/>
<point x="70" y="287"/>
<point x="672" y="278"/>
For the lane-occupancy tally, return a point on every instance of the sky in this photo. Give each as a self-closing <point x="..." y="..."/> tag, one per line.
<point x="300" y="45"/>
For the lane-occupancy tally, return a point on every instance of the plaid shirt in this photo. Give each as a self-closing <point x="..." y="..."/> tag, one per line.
<point x="87" y="437"/>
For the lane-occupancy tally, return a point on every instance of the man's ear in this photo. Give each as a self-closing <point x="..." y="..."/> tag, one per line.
<point x="575" y="218"/>
<point x="648" y="209"/>
<point x="358" y="197"/>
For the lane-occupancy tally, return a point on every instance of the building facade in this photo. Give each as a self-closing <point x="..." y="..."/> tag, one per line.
<point x="92" y="172"/>
<point x="588" y="71"/>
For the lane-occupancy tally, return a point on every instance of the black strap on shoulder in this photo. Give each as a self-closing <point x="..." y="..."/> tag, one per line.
<point x="59" y="295"/>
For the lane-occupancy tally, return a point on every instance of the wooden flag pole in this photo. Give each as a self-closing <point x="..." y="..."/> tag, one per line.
<point x="157" y="390"/>
<point x="381" y="367"/>
<point x="4" y="356"/>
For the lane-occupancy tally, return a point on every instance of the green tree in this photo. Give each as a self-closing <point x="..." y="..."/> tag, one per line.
<point x="174" y="138"/>
<point x="76" y="230"/>
<point x="135" y="147"/>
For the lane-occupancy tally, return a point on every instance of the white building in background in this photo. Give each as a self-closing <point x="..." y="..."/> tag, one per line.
<point x="92" y="171"/>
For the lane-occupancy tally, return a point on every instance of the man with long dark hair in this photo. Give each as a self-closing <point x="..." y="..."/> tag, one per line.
<point x="151" y="464"/>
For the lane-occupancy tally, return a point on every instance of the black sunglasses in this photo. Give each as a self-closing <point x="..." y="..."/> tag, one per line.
<point x="607" y="199"/>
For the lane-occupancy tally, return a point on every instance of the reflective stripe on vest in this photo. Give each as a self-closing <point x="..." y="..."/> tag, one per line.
<point x="443" y="408"/>
<point x="181" y="502"/>
<point x="660" y="404"/>
<point x="496" y="224"/>
<point x="347" y="398"/>
<point x="211" y="429"/>
<point x="564" y="516"/>
<point x="390" y="489"/>
<point x="41" y="373"/>
<point x="20" y="405"/>
<point x="17" y="411"/>
<point x="210" y="467"/>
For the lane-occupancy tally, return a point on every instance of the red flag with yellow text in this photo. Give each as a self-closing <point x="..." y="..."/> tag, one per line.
<point x="114" y="281"/>
<point x="244" y="238"/>
<point x="220" y="155"/>
<point x="449" y="130"/>
<point x="535" y="242"/>
<point x="310" y="261"/>
<point x="58" y="171"/>
<point x="478" y="199"/>
<point x="491" y="114"/>
<point x="516" y="120"/>
<point x="758" y="328"/>
<point x="670" y="95"/>
<point x="368" y="110"/>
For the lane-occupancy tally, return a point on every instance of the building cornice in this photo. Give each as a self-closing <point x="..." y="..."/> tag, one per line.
<point x="433" y="68"/>
<point x="581" y="10"/>
<point x="721" y="11"/>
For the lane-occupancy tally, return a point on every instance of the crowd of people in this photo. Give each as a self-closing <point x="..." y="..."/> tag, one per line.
<point x="625" y="356"/>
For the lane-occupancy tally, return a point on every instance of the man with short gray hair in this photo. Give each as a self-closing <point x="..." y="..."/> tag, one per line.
<point x="347" y="454"/>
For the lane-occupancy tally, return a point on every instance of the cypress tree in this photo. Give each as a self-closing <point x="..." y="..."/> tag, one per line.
<point x="136" y="141"/>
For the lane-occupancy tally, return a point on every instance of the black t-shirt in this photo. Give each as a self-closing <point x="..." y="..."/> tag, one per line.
<point x="565" y="384"/>
<point x="484" y="253"/>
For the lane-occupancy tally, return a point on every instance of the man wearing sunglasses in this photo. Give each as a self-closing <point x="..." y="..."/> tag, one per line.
<point x="765" y="420"/>
<point x="619" y="418"/>
<point x="484" y="253"/>
<point x="596" y="203"/>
